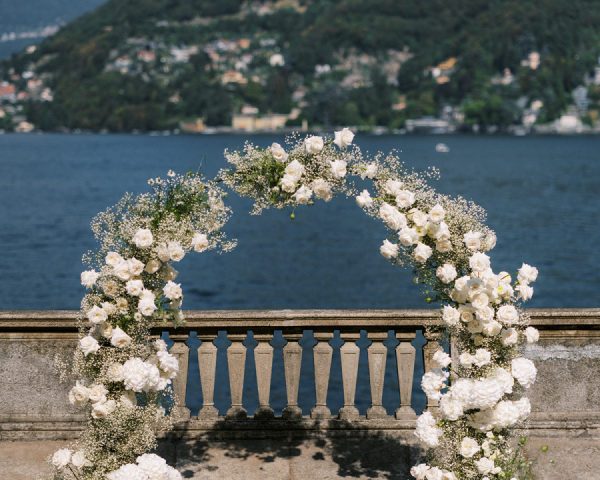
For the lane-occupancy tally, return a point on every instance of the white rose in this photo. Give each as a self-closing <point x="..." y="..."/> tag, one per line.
<point x="146" y="306"/>
<point x="442" y="233"/>
<point x="113" y="259"/>
<point x="135" y="266"/>
<point x="343" y="138"/>
<point x="143" y="238"/>
<point x="466" y="359"/>
<point x="162" y="251"/>
<point x="408" y="236"/>
<point x="450" y="315"/>
<point x="532" y="334"/>
<point x="388" y="249"/>
<point x="468" y="447"/>
<point x="364" y="199"/>
<point x="172" y="290"/>
<point x="437" y="213"/>
<point x="104" y="409"/>
<point x="480" y="301"/>
<point x="418" y="217"/>
<point x="119" y="338"/>
<point x="525" y="291"/>
<point x="482" y="357"/>
<point x="105" y="329"/>
<point x="527" y="274"/>
<point x="160" y="345"/>
<point x="422" y="252"/>
<point x="491" y="329"/>
<point x="288" y="183"/>
<point x="134" y="287"/>
<point x="472" y="240"/>
<point x="370" y="171"/>
<point x="490" y="241"/>
<point x="88" y="345"/>
<point x="168" y="363"/>
<point x="97" y="393"/>
<point x="121" y="270"/>
<point x="392" y="187"/>
<point x="484" y="465"/>
<point x="509" y="337"/>
<point x="313" y="145"/>
<point x="128" y="472"/>
<point x="78" y="459"/>
<point x="427" y="431"/>
<point x="199" y="242"/>
<point x="61" y="458"/>
<point x="89" y="277"/>
<point x="507" y="314"/>
<point x="294" y="169"/>
<point x="152" y="266"/>
<point x="176" y="251"/>
<point x="338" y="168"/>
<point x="443" y="246"/>
<point x="442" y="359"/>
<point x="433" y="382"/>
<point x="79" y="395"/>
<point x="322" y="189"/>
<point x="446" y="273"/>
<point x="479" y="262"/>
<point x="404" y="198"/>
<point x="420" y="471"/>
<point x="96" y="315"/>
<point x="451" y="408"/>
<point x="524" y="371"/>
<point x="485" y="314"/>
<point x="303" y="195"/>
<point x="278" y="152"/>
<point x="392" y="217"/>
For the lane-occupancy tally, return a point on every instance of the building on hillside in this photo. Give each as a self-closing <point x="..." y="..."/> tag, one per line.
<point x="8" y="92"/>
<point x="231" y="76"/>
<point x="253" y="122"/>
<point x="147" y="56"/>
<point x="193" y="126"/>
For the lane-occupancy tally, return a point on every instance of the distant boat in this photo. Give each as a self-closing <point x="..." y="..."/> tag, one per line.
<point x="442" y="148"/>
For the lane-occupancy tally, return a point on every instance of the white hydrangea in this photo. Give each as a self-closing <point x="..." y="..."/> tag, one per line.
<point x="433" y="382"/>
<point x="388" y="249"/>
<point x="141" y="376"/>
<point x="527" y="274"/>
<point x="442" y="359"/>
<point x="532" y="334"/>
<point x="427" y="430"/>
<point x="167" y="363"/>
<point x="128" y="472"/>
<point x="450" y="315"/>
<point x="89" y="278"/>
<point x="61" y="458"/>
<point x="143" y="238"/>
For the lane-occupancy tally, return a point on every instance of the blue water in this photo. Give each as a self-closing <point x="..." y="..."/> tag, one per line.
<point x="541" y="194"/>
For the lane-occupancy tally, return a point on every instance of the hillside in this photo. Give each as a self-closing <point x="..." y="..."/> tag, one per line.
<point x="152" y="64"/>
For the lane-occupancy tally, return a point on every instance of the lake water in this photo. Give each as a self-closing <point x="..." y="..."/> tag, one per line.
<point x="542" y="195"/>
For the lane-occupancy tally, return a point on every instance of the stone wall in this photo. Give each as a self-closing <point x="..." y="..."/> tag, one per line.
<point x="564" y="429"/>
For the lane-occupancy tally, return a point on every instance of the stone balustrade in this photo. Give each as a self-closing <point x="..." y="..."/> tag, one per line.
<point x="346" y="373"/>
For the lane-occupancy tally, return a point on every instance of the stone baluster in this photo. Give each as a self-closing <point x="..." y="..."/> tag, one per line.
<point x="181" y="351"/>
<point x="236" y="361"/>
<point x="405" y="360"/>
<point x="292" y="361"/>
<point x="207" y="363"/>
<point x="349" y="353"/>
<point x="377" y="353"/>
<point x="429" y="350"/>
<point x="263" y="361"/>
<point x="322" y="358"/>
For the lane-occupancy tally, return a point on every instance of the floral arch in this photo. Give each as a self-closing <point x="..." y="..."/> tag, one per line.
<point x="125" y="378"/>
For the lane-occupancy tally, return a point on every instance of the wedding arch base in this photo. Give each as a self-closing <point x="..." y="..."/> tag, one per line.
<point x="126" y="378"/>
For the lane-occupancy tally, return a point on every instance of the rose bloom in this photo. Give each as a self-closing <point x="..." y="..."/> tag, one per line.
<point x="468" y="447"/>
<point x="370" y="171"/>
<point x="88" y="278"/>
<point x="524" y="371"/>
<point x="172" y="290"/>
<point x="422" y="252"/>
<point x="303" y="195"/>
<point x="392" y="217"/>
<point x="199" y="242"/>
<point x="408" y="236"/>
<point x="278" y="152"/>
<point x="104" y="409"/>
<point x="314" y="145"/>
<point x="525" y="291"/>
<point x="532" y="334"/>
<point x="113" y="259"/>
<point x="105" y="329"/>
<point x="343" y="138"/>
<point x="442" y="358"/>
<point x="79" y="394"/>
<point x="338" y="168"/>
<point x="288" y="183"/>
<point x="388" y="249"/>
<point x="143" y="238"/>
<point x="119" y="338"/>
<point x="509" y="336"/>
<point x="78" y="459"/>
<point x="405" y="198"/>
<point x="418" y="217"/>
<point x="61" y="458"/>
<point x="96" y="315"/>
<point x="146" y="306"/>
<point x="89" y="345"/>
<point x="392" y="187"/>
<point x="527" y="274"/>
<point x="446" y="273"/>
<point x="97" y="393"/>
<point x="443" y="246"/>
<point x="479" y="262"/>
<point x="294" y="169"/>
<point x="437" y="213"/>
<point x="507" y="314"/>
<point x="364" y="199"/>
<point x="134" y="287"/>
<point x="176" y="251"/>
<point x="322" y="189"/>
<point x="162" y="251"/>
<point x="443" y="232"/>
<point x="450" y="315"/>
<point x="121" y="270"/>
<point x="472" y="240"/>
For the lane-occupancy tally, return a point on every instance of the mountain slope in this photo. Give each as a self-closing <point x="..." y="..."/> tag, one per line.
<point x="148" y="64"/>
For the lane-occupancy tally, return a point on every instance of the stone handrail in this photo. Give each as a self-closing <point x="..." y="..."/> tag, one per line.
<point x="35" y="337"/>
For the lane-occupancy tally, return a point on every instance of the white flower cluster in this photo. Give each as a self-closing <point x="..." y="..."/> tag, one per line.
<point x="147" y="467"/>
<point x="132" y="285"/>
